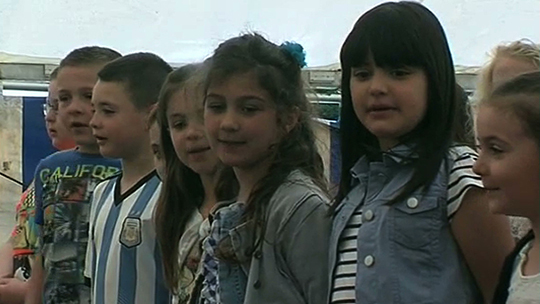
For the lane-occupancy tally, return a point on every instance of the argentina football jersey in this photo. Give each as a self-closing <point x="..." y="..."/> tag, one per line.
<point x="123" y="260"/>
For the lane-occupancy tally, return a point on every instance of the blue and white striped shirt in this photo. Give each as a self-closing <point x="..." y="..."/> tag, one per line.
<point x="123" y="260"/>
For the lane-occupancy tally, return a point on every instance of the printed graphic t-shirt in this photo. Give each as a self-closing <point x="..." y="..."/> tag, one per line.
<point x="64" y="184"/>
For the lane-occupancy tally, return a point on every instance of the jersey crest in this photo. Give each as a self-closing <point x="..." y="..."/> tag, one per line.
<point x="130" y="236"/>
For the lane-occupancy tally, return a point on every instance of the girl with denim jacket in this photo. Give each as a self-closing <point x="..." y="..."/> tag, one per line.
<point x="410" y="222"/>
<point x="190" y="188"/>
<point x="271" y="244"/>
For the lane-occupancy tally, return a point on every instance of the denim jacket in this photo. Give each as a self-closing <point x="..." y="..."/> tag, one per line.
<point x="290" y="265"/>
<point x="406" y="250"/>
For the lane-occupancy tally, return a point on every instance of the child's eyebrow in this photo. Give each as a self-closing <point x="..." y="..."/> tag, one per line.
<point x="492" y="138"/>
<point x="250" y="97"/>
<point x="215" y="95"/>
<point x="176" y="115"/>
<point x="104" y="104"/>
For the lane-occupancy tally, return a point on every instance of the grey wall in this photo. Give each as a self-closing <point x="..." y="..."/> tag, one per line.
<point x="10" y="160"/>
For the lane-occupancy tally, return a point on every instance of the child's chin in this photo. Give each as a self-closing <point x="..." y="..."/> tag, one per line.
<point x="109" y="153"/>
<point x="496" y="206"/>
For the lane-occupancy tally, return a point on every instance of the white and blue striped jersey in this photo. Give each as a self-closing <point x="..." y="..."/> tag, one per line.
<point x="123" y="260"/>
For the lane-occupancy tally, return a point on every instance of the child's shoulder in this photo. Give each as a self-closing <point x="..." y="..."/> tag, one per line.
<point x="298" y="183"/>
<point x="60" y="156"/>
<point x="298" y="189"/>
<point x="457" y="153"/>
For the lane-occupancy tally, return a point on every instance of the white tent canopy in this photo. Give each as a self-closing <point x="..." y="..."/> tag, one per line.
<point x="186" y="31"/>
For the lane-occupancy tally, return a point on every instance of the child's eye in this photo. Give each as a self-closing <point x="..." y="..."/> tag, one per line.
<point x="64" y="98"/>
<point x="360" y="73"/>
<point x="249" y="109"/>
<point x="107" y="111"/>
<point x="398" y="73"/>
<point x="87" y="95"/>
<point x="179" y="125"/>
<point x="215" y="107"/>
<point x="495" y="150"/>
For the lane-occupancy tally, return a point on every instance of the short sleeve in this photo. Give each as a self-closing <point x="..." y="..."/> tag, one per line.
<point x="90" y="247"/>
<point x="18" y="207"/>
<point x="462" y="177"/>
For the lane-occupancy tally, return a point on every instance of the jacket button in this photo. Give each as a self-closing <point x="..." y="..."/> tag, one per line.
<point x="368" y="215"/>
<point x="257" y="284"/>
<point x="257" y="254"/>
<point x="412" y="203"/>
<point x="369" y="260"/>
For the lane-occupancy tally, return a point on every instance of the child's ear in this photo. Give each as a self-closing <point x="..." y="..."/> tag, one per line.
<point x="148" y="113"/>
<point x="291" y="119"/>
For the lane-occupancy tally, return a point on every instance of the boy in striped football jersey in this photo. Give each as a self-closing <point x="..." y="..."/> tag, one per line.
<point x="122" y="258"/>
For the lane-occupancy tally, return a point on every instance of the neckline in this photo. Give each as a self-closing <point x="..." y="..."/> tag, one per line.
<point x="119" y="197"/>
<point x="523" y="258"/>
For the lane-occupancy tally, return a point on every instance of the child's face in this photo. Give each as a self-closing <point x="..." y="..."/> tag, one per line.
<point x="508" y="163"/>
<point x="75" y="84"/>
<point x="185" y="121"/>
<point x="118" y="126"/>
<point x="388" y="102"/>
<point x="506" y="68"/>
<point x="155" y="143"/>
<point x="58" y="133"/>
<point x="241" y="121"/>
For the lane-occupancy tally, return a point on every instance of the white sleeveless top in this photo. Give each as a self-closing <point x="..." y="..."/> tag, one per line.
<point x="523" y="289"/>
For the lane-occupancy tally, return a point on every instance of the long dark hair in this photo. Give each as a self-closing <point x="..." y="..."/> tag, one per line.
<point x="279" y="74"/>
<point x="396" y="35"/>
<point x="182" y="192"/>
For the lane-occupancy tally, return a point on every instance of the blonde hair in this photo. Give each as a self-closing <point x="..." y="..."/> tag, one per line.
<point x="523" y="49"/>
<point x="519" y="97"/>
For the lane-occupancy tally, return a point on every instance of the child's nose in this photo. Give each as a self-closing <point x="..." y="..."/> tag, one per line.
<point x="479" y="167"/>
<point x="377" y="84"/>
<point x="94" y="122"/>
<point x="194" y="131"/>
<point x="229" y="122"/>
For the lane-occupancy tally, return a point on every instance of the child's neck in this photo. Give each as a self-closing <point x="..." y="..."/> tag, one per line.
<point x="88" y="149"/>
<point x="135" y="168"/>
<point x="209" y="184"/>
<point x="532" y="266"/>
<point x="249" y="177"/>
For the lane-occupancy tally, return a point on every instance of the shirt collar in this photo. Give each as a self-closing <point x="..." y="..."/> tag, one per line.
<point x="399" y="155"/>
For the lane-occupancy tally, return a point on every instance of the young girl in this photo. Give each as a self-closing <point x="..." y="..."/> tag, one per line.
<point x="508" y="129"/>
<point x="410" y="222"/>
<point x="155" y="142"/>
<point x="508" y="61"/>
<point x="271" y="245"/>
<point x="189" y="188"/>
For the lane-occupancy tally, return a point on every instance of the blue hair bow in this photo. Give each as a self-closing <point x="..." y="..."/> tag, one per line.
<point x="296" y="50"/>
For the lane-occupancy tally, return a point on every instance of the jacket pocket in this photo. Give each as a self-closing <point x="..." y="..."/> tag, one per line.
<point x="416" y="221"/>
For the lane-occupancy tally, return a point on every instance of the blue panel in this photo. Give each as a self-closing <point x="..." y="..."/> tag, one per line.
<point x="36" y="143"/>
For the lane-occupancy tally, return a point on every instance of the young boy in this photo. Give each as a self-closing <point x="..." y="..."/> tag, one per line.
<point x="64" y="183"/>
<point x="123" y="261"/>
<point x="23" y="241"/>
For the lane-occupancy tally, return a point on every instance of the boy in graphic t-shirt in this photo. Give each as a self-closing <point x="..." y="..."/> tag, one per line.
<point x="64" y="183"/>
